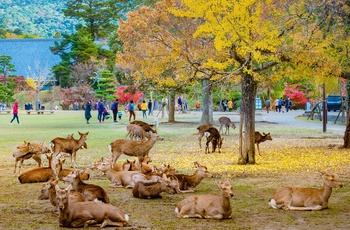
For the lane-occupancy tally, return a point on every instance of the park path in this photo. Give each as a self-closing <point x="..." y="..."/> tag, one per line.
<point x="290" y="119"/>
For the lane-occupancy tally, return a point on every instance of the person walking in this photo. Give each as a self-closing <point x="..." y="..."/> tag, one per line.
<point x="100" y="108"/>
<point x="230" y="105"/>
<point x="15" y="113"/>
<point x="114" y="108"/>
<point x="88" y="107"/>
<point x="276" y="104"/>
<point x="179" y="102"/>
<point x="131" y="108"/>
<point x="144" y="109"/>
<point x="267" y="104"/>
<point x="149" y="106"/>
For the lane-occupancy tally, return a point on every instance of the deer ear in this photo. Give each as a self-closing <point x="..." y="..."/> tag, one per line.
<point x="196" y="164"/>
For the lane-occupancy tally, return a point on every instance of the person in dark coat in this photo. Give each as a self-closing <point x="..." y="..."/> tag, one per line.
<point x="100" y="108"/>
<point x="114" y="108"/>
<point x="88" y="107"/>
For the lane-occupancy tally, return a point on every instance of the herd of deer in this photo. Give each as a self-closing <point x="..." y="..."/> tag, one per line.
<point x="82" y="204"/>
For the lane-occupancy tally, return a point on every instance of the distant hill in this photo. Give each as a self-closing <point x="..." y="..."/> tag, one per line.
<point x="39" y="17"/>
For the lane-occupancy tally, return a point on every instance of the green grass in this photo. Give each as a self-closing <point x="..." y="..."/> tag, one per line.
<point x="287" y="160"/>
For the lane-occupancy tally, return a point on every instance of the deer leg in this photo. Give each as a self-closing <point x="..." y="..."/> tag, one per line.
<point x="14" y="172"/>
<point x="258" y="149"/>
<point x="115" y="157"/>
<point x="37" y="158"/>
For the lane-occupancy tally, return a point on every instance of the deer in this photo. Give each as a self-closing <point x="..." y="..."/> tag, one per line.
<point x="61" y="172"/>
<point x="132" y="148"/>
<point x="305" y="199"/>
<point x="68" y="145"/>
<point x="136" y="132"/>
<point x="189" y="182"/>
<point x="261" y="138"/>
<point x="40" y="174"/>
<point x="201" y="129"/>
<point x="28" y="150"/>
<point x="83" y="214"/>
<point x="225" y="121"/>
<point x="207" y="206"/>
<point x="120" y="178"/>
<point x="90" y="191"/>
<point x="152" y="189"/>
<point x="213" y="137"/>
<point x="147" y="127"/>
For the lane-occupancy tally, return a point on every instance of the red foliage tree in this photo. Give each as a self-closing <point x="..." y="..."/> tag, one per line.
<point x="127" y="93"/>
<point x="297" y="97"/>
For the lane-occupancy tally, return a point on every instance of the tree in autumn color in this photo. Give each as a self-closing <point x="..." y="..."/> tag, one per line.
<point x="248" y="34"/>
<point x="160" y="51"/>
<point x="128" y="93"/>
<point x="77" y="94"/>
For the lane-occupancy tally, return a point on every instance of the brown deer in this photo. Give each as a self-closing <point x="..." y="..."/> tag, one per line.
<point x="68" y="145"/>
<point x="213" y="137"/>
<point x="261" y="138"/>
<point x="132" y="148"/>
<point x="207" y="206"/>
<point x="40" y="174"/>
<point x="153" y="189"/>
<point x="147" y="127"/>
<point x="225" y="121"/>
<point x="136" y="132"/>
<point x="119" y="179"/>
<point x="83" y="214"/>
<point x="61" y="172"/>
<point x="189" y="182"/>
<point x="304" y="199"/>
<point x="29" y="150"/>
<point x="90" y="191"/>
<point x="201" y="129"/>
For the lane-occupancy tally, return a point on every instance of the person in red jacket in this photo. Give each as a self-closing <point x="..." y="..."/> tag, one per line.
<point x="15" y="113"/>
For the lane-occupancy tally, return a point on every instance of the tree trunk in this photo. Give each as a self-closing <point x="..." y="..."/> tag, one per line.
<point x="247" y="124"/>
<point x="347" y="133"/>
<point x="207" y="114"/>
<point x="171" y="106"/>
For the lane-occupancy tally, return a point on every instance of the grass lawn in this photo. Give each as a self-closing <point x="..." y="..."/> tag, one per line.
<point x="293" y="158"/>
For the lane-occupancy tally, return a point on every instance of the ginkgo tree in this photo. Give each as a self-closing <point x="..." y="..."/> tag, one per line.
<point x="159" y="50"/>
<point x="257" y="36"/>
<point x="247" y="32"/>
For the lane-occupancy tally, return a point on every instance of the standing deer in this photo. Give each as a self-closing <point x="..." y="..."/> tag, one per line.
<point x="68" y="145"/>
<point x="207" y="206"/>
<point x="132" y="148"/>
<point x="213" y="137"/>
<point x="261" y="138"/>
<point x="225" y="121"/>
<point x="201" y="129"/>
<point x="305" y="199"/>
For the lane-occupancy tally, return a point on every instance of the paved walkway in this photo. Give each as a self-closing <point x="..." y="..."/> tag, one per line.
<point x="289" y="119"/>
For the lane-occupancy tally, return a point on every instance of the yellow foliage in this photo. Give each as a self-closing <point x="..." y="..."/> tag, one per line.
<point x="31" y="83"/>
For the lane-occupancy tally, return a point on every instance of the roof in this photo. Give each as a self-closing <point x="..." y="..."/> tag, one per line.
<point x="25" y="52"/>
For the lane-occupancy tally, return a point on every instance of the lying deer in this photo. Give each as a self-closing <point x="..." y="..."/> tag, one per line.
<point x="261" y="138"/>
<point x="40" y="174"/>
<point x="187" y="182"/>
<point x="132" y="148"/>
<point x="213" y="137"/>
<point x="207" y="206"/>
<point x="225" y="121"/>
<point x="305" y="199"/>
<point x="90" y="191"/>
<point x="68" y="145"/>
<point x="201" y="129"/>
<point x="120" y="178"/>
<point x="153" y="189"/>
<point x="64" y="172"/>
<point x="83" y="214"/>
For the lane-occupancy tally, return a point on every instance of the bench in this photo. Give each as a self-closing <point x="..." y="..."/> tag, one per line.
<point x="40" y="111"/>
<point x="5" y="111"/>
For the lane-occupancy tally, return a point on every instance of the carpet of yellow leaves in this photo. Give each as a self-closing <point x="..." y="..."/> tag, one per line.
<point x="277" y="156"/>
